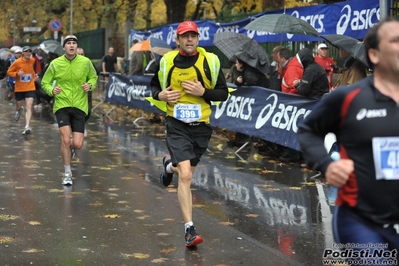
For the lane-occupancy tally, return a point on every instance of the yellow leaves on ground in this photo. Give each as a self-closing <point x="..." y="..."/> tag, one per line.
<point x="251" y="215"/>
<point x="265" y="171"/>
<point x="295" y="188"/>
<point x="168" y="250"/>
<point x="55" y="190"/>
<point x="169" y="219"/>
<point x="226" y="223"/>
<point x="112" y="216"/>
<point x="143" y="217"/>
<point x="33" y="250"/>
<point x="127" y="178"/>
<point x="198" y="206"/>
<point x="6" y="217"/>
<point x="6" y="239"/>
<point x="34" y="223"/>
<point x="139" y="256"/>
<point x="96" y="204"/>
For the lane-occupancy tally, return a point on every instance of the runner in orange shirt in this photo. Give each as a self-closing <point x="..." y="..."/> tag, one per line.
<point x="22" y="70"/>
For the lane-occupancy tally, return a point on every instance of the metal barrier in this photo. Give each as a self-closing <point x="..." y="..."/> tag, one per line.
<point x="101" y="87"/>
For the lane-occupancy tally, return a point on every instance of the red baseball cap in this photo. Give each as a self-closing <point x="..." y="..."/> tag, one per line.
<point x="187" y="26"/>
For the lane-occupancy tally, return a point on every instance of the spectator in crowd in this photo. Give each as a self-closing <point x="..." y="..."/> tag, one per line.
<point x="23" y="72"/>
<point x="187" y="137"/>
<point x="131" y="57"/>
<point x="314" y="82"/>
<point x="152" y="66"/>
<point x="69" y="78"/>
<point x="364" y="118"/>
<point x="139" y="62"/>
<point x="152" y="69"/>
<point x="11" y="80"/>
<point x="109" y="64"/>
<point x="353" y="70"/>
<point x="290" y="70"/>
<point x="274" y="76"/>
<point x="326" y="62"/>
<point x="250" y="76"/>
<point x="233" y="73"/>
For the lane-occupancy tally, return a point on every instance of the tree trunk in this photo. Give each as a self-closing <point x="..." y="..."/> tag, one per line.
<point x="175" y="10"/>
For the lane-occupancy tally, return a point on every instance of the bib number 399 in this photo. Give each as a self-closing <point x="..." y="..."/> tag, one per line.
<point x="187" y="113"/>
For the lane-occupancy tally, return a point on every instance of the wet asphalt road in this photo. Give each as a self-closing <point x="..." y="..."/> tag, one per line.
<point x="252" y="210"/>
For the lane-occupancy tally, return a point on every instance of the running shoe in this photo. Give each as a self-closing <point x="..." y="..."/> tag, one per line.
<point x="67" y="181"/>
<point x="165" y="177"/>
<point x="18" y="114"/>
<point x="26" y="131"/>
<point x="73" y="152"/>
<point x="192" y="238"/>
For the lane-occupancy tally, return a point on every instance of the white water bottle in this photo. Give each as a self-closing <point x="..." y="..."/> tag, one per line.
<point x="333" y="191"/>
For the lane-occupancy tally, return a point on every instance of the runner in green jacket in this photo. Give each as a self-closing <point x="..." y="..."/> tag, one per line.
<point x="69" y="78"/>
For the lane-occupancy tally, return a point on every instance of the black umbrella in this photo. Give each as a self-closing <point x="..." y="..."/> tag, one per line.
<point x="352" y="46"/>
<point x="282" y="23"/>
<point x="52" y="46"/>
<point x="236" y="45"/>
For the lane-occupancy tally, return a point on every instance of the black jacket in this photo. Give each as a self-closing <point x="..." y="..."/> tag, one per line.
<point x="253" y="77"/>
<point x="314" y="81"/>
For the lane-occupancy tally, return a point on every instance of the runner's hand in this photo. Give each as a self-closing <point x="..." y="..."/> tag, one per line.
<point x="169" y="95"/>
<point x="337" y="173"/>
<point x="193" y="87"/>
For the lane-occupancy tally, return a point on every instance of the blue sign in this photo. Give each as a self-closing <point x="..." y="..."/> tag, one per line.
<point x="350" y="18"/>
<point x="270" y="115"/>
<point x="55" y="24"/>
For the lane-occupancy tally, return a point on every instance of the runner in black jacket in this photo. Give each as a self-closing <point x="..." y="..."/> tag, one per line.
<point x="365" y="118"/>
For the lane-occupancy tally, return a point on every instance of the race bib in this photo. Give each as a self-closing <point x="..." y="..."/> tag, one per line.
<point x="386" y="157"/>
<point x="25" y="78"/>
<point x="187" y="113"/>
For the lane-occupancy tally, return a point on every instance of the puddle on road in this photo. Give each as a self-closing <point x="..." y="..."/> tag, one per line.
<point x="276" y="203"/>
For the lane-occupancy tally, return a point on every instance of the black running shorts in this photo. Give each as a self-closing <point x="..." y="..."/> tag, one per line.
<point x="71" y="116"/>
<point x="19" y="96"/>
<point x="186" y="141"/>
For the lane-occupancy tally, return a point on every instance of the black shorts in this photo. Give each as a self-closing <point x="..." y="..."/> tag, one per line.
<point x="186" y="141"/>
<point x="19" y="96"/>
<point x="71" y="116"/>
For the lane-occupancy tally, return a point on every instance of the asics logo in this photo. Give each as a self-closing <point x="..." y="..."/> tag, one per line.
<point x="364" y="113"/>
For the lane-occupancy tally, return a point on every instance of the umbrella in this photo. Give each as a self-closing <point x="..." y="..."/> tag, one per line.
<point x="151" y="42"/>
<point x="39" y="52"/>
<point x="5" y="54"/>
<point x="352" y="46"/>
<point x="160" y="50"/>
<point x="282" y="23"/>
<point x="52" y="46"/>
<point x="236" y="45"/>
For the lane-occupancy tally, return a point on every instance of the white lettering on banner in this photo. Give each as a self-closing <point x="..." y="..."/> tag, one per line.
<point x="232" y="28"/>
<point x="361" y="20"/>
<point x="315" y="20"/>
<point x="204" y="33"/>
<point x="251" y="33"/>
<point x="278" y="211"/>
<point x="157" y="35"/>
<point x="116" y="88"/>
<point x="137" y="36"/>
<point x="285" y="118"/>
<point x="171" y="35"/>
<point x="136" y="92"/>
<point x="237" y="107"/>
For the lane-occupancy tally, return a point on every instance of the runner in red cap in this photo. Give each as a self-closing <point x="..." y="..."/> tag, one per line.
<point x="188" y="80"/>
